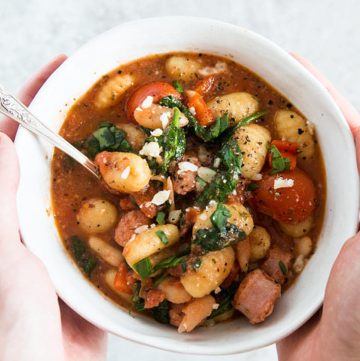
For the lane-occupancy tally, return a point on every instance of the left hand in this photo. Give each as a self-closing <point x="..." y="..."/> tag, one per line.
<point x="34" y="323"/>
<point x="334" y="332"/>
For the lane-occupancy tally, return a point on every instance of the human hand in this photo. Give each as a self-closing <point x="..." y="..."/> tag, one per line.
<point x="34" y="323"/>
<point x="334" y="332"/>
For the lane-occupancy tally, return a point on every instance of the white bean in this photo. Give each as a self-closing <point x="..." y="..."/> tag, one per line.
<point x="174" y="291"/>
<point x="107" y="252"/>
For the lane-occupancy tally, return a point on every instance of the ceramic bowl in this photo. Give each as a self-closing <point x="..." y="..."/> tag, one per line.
<point x="130" y="41"/>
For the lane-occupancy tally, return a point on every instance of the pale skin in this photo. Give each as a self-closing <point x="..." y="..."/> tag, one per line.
<point x="36" y="325"/>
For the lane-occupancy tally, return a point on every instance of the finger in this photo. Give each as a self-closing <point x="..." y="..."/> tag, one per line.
<point x="351" y="115"/>
<point x="9" y="176"/>
<point x="27" y="94"/>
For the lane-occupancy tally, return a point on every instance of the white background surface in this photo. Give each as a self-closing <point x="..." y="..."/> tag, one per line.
<point x="324" y="31"/>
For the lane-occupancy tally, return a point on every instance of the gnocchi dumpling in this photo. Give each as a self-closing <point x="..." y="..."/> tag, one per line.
<point x="123" y="172"/>
<point x="174" y="291"/>
<point x="297" y="229"/>
<point x="238" y="106"/>
<point x="96" y="215"/>
<point x="260" y="242"/>
<point x="303" y="246"/>
<point x="253" y="141"/>
<point x="112" y="90"/>
<point x="106" y="251"/>
<point x="182" y="67"/>
<point x="134" y="135"/>
<point x="148" y="243"/>
<point x="239" y="216"/>
<point x="291" y="127"/>
<point x="214" y="268"/>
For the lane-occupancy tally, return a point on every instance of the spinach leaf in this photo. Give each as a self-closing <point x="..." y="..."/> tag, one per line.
<point x="161" y="313"/>
<point x="279" y="163"/>
<point x="220" y="217"/>
<point x="212" y="239"/>
<point x="107" y="137"/>
<point x="174" y="141"/>
<point x="177" y="85"/>
<point x="252" y="186"/>
<point x="283" y="268"/>
<point x="163" y="237"/>
<point x="224" y="298"/>
<point x="86" y="261"/>
<point x="144" y="268"/>
<point x="230" y="155"/>
<point x="137" y="301"/>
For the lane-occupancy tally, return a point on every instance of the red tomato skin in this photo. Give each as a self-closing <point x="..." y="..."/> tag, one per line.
<point x="288" y="205"/>
<point x="156" y="89"/>
<point x="288" y="147"/>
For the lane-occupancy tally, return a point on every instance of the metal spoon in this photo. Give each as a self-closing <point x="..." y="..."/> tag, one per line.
<point x="14" y="109"/>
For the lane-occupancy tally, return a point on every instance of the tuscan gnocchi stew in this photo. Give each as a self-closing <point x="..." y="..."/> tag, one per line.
<point x="212" y="191"/>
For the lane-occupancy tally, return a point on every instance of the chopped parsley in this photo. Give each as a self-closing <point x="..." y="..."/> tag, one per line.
<point x="177" y="85"/>
<point x="278" y="162"/>
<point x="144" y="268"/>
<point x="163" y="237"/>
<point x="283" y="268"/>
<point x="160" y="218"/>
<point x="161" y="312"/>
<point x="220" y="217"/>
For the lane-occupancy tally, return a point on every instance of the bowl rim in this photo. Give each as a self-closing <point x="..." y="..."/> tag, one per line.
<point x="194" y="348"/>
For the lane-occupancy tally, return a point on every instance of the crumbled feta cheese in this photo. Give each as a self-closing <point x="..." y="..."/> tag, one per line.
<point x="215" y="306"/>
<point x="147" y="102"/>
<point x="160" y="198"/>
<point x="187" y="167"/>
<point x="164" y="119"/>
<point x="203" y="217"/>
<point x="152" y="225"/>
<point x="311" y="127"/>
<point x="212" y="203"/>
<point x="151" y="149"/>
<point x="141" y="229"/>
<point x="257" y="177"/>
<point x="283" y="183"/>
<point x="192" y="110"/>
<point x="183" y="121"/>
<point x="125" y="173"/>
<point x="217" y="162"/>
<point x="217" y="290"/>
<point x="299" y="264"/>
<point x="174" y="216"/>
<point x="156" y="132"/>
<point x="207" y="174"/>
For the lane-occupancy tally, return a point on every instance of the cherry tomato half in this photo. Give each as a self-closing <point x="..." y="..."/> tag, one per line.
<point x="287" y="197"/>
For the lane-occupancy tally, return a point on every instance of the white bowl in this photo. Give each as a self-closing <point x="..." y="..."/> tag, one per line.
<point x="130" y="41"/>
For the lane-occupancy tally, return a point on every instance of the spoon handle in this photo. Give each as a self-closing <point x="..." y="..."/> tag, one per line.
<point x="14" y="109"/>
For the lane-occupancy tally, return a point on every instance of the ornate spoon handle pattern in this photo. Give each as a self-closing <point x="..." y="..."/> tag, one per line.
<point x="14" y="109"/>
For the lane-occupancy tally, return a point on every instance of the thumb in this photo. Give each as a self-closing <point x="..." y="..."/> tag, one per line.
<point x="9" y="177"/>
<point x="341" y="310"/>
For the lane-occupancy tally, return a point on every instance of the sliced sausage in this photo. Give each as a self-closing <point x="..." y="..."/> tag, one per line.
<point x="153" y="298"/>
<point x="184" y="181"/>
<point x="143" y="200"/>
<point x="256" y="296"/>
<point x="277" y="264"/>
<point x="127" y="225"/>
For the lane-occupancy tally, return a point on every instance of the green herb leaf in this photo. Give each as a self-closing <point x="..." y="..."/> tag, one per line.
<point x="252" y="186"/>
<point x="174" y="141"/>
<point x="161" y="313"/>
<point x="231" y="157"/>
<point x="107" y="137"/>
<point x="160" y="218"/>
<point x="211" y="239"/>
<point x="144" y="268"/>
<point x="279" y="163"/>
<point x="283" y="268"/>
<point x="169" y="262"/>
<point x="200" y="181"/>
<point x="177" y="85"/>
<point x="163" y="237"/>
<point x="220" y="217"/>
